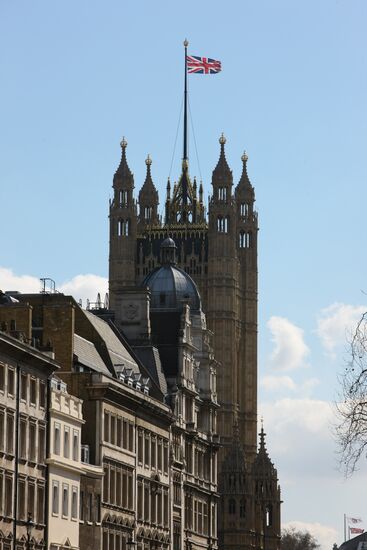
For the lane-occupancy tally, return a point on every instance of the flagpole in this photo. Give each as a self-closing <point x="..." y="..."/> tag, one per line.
<point x="185" y="156"/>
<point x="345" y="527"/>
<point x="185" y="106"/>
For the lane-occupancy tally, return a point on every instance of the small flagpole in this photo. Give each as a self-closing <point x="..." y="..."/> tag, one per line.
<point x="345" y="527"/>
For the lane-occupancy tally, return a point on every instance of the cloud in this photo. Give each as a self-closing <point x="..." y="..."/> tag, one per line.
<point x="324" y="534"/>
<point x="85" y="287"/>
<point x="81" y="287"/>
<point x="336" y="324"/>
<point x="290" y="350"/>
<point x="22" y="283"/>
<point x="277" y="383"/>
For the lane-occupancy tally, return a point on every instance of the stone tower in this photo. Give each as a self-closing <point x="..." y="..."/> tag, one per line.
<point x="218" y="249"/>
<point x="219" y="254"/>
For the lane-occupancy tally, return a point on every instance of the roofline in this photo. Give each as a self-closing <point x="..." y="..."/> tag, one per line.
<point x="24" y="352"/>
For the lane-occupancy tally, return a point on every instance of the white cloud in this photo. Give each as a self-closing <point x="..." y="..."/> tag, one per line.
<point x="85" y="287"/>
<point x="277" y="383"/>
<point x="336" y="323"/>
<point x="290" y="350"/>
<point x="22" y="283"/>
<point x="324" y="534"/>
<point x="81" y="287"/>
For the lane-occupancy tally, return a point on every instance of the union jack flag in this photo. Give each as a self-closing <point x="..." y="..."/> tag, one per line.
<point x="202" y="65"/>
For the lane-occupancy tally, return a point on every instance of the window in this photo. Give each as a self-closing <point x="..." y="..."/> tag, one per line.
<point x="10" y="433"/>
<point x="90" y="508"/>
<point x="222" y="193"/>
<point x="153" y="452"/>
<point x="11" y="381"/>
<point x="42" y="390"/>
<point x="231" y="506"/>
<point x="159" y="454"/>
<point x="66" y="442"/>
<point x="40" y="503"/>
<point x="123" y="228"/>
<point x="55" y="497"/>
<point x="165" y="458"/>
<point x="65" y="500"/>
<point x="33" y="391"/>
<point x="140" y="446"/>
<point x="269" y="515"/>
<point x="56" y="438"/>
<point x="106" y="426"/>
<point x="2" y="377"/>
<point x="21" y="499"/>
<point x="23" y="386"/>
<point x="245" y="239"/>
<point x="75" y="445"/>
<point x="8" y="508"/>
<point x="125" y="434"/>
<point x="119" y="432"/>
<point x="32" y="441"/>
<point x="244" y="209"/>
<point x="223" y="224"/>
<point x="23" y="438"/>
<point x="31" y="497"/>
<point x="131" y="436"/>
<point x="74" y="503"/>
<point x="113" y="430"/>
<point x="41" y="444"/>
<point x="2" y="431"/>
<point x="81" y="505"/>
<point x="146" y="451"/>
<point x="242" y="508"/>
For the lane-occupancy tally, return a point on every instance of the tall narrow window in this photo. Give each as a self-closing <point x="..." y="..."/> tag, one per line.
<point x="31" y="497"/>
<point x="2" y="431"/>
<point x="41" y="444"/>
<point x="244" y="209"/>
<point x="33" y="391"/>
<point x="23" y="386"/>
<point x="66" y="441"/>
<point x="40" y="503"/>
<point x="65" y="500"/>
<point x="11" y="382"/>
<point x="75" y="445"/>
<point x="56" y="438"/>
<point x="42" y="390"/>
<point x="8" y="508"/>
<point x="32" y="441"/>
<point x="231" y="506"/>
<point x="106" y="426"/>
<point x="23" y="438"/>
<point x="10" y="433"/>
<point x="21" y="499"/>
<point x="242" y="508"/>
<point x="2" y="377"/>
<point x="74" y="503"/>
<point x="55" y="497"/>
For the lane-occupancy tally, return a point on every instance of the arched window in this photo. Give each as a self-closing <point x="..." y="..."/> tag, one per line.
<point x="269" y="515"/>
<point x="231" y="506"/>
<point x="148" y="210"/>
<point x="123" y="228"/>
<point x="220" y="224"/>
<point x="245" y="239"/>
<point x="244" y="209"/>
<point x="123" y="195"/>
<point x="222" y="193"/>
<point x="226" y="224"/>
<point x="242" y="508"/>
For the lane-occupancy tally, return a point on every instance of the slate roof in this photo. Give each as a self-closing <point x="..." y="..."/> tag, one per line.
<point x="118" y="353"/>
<point x="88" y="356"/>
<point x="356" y="543"/>
<point x="149" y="356"/>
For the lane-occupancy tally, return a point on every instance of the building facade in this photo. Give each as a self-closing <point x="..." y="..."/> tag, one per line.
<point x="24" y="390"/>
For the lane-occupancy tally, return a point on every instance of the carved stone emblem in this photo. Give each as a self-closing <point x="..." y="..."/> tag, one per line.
<point x="130" y="311"/>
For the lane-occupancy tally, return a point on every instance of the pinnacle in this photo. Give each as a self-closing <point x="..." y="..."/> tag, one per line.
<point x="123" y="169"/>
<point x="222" y="169"/>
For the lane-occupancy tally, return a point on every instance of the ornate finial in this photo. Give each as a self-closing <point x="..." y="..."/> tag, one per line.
<point x="222" y="139"/>
<point x="262" y="422"/>
<point x="185" y="164"/>
<point x="123" y="143"/>
<point x="148" y="161"/>
<point x="186" y="43"/>
<point x="244" y="157"/>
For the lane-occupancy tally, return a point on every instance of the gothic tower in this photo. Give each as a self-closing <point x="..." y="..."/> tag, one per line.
<point x="123" y="229"/>
<point x="219" y="251"/>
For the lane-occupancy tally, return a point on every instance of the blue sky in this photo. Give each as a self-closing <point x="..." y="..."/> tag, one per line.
<point x="77" y="76"/>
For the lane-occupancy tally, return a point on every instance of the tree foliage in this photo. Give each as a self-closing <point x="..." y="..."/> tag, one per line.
<point x="351" y="430"/>
<point x="293" y="539"/>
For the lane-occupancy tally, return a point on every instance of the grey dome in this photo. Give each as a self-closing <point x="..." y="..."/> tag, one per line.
<point x="170" y="286"/>
<point x="168" y="243"/>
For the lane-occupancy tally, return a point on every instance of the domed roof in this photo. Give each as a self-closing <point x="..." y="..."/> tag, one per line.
<point x="170" y="286"/>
